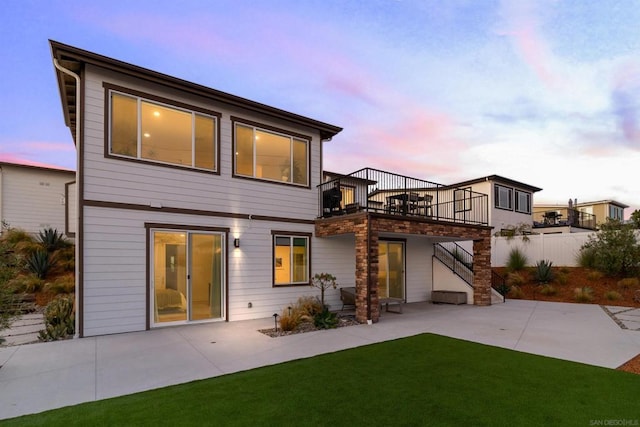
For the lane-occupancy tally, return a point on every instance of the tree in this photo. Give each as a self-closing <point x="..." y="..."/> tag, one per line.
<point x="615" y="249"/>
<point x="635" y="218"/>
<point x="323" y="281"/>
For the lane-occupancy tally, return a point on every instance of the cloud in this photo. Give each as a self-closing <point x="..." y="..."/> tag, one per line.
<point x="625" y="99"/>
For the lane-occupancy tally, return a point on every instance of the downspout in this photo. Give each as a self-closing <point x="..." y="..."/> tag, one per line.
<point x="77" y="190"/>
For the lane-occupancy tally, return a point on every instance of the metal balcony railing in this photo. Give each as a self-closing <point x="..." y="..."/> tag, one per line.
<point x="563" y="217"/>
<point x="373" y="190"/>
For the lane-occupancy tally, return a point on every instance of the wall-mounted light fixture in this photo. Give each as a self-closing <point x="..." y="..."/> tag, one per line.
<point x="236" y="242"/>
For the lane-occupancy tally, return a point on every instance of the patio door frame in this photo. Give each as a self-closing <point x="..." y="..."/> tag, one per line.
<point x="403" y="243"/>
<point x="152" y="228"/>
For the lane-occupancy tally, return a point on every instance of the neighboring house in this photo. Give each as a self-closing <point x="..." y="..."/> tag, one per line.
<point x="196" y="206"/>
<point x="33" y="198"/>
<point x="510" y="202"/>
<point x="576" y="217"/>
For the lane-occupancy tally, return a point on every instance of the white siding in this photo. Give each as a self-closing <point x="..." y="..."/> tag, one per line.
<point x="115" y="240"/>
<point x="418" y="275"/>
<point x="33" y="198"/>
<point x="446" y="280"/>
<point x="501" y="218"/>
<point x="115" y="267"/>
<point x="122" y="181"/>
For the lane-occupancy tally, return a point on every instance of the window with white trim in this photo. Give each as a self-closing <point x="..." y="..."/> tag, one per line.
<point x="290" y="260"/>
<point x="153" y="131"/>
<point x="503" y="197"/>
<point x="270" y="155"/>
<point x="523" y="202"/>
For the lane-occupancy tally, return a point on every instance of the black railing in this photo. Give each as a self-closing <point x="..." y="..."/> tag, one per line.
<point x="563" y="217"/>
<point x="499" y="283"/>
<point x="382" y="192"/>
<point x="459" y="261"/>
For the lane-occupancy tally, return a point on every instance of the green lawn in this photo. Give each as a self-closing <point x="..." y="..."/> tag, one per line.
<point x="422" y="380"/>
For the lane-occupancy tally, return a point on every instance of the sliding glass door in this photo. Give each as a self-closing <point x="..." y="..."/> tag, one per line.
<point x="187" y="276"/>
<point x="390" y="269"/>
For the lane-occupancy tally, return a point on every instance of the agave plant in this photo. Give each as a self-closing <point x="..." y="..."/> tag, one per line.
<point x="51" y="239"/>
<point x="544" y="274"/>
<point x="39" y="263"/>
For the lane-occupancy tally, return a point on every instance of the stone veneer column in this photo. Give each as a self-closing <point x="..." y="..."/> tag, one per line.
<point x="482" y="271"/>
<point x="366" y="250"/>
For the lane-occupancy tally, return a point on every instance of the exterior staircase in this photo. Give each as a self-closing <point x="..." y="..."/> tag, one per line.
<point x="460" y="262"/>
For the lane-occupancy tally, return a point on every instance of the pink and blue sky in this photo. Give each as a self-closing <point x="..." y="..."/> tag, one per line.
<point x="542" y="92"/>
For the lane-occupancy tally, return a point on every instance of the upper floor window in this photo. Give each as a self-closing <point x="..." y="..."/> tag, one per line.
<point x="503" y="197"/>
<point x="523" y="202"/>
<point x="616" y="212"/>
<point x="271" y="155"/>
<point x="153" y="131"/>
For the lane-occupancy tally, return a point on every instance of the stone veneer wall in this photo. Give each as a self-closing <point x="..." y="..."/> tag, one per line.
<point x="367" y="227"/>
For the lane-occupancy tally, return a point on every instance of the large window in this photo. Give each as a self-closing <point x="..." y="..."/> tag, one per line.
<point x="616" y="212"/>
<point x="503" y="197"/>
<point x="290" y="260"/>
<point x="271" y="155"/>
<point x="153" y="131"/>
<point x="523" y="202"/>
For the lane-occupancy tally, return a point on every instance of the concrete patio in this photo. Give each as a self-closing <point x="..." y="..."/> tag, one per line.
<point x="42" y="376"/>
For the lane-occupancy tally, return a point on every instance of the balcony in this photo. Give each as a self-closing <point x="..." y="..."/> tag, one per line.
<point x="385" y="193"/>
<point x="564" y="217"/>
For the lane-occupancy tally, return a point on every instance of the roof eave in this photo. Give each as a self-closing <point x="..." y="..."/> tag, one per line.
<point x="62" y="52"/>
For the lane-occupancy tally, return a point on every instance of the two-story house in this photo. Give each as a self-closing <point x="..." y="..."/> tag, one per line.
<point x="195" y="205"/>
<point x="33" y="198"/>
<point x="510" y="201"/>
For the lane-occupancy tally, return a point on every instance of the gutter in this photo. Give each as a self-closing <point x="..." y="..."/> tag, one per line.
<point x="78" y="237"/>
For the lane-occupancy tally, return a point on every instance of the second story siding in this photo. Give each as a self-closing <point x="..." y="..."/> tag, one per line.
<point x="127" y="179"/>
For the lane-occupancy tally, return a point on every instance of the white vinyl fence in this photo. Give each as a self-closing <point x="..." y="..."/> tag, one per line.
<point x="561" y="249"/>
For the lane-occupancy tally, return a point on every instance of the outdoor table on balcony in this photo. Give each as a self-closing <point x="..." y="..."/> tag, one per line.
<point x="409" y="204"/>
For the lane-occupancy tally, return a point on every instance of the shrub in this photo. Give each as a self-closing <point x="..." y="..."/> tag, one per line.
<point x="59" y="319"/>
<point x="594" y="276"/>
<point x="543" y="272"/>
<point x="289" y="320"/>
<point x="515" y="292"/>
<point x="616" y="250"/>
<point x="61" y="285"/>
<point x="587" y="257"/>
<point x="39" y="263"/>
<point x="517" y="260"/>
<point x="308" y="306"/>
<point x="548" y="290"/>
<point x="612" y="295"/>
<point x="51" y="240"/>
<point x="325" y="319"/>
<point x="583" y="294"/>
<point x="515" y="279"/>
<point x="628" y="283"/>
<point x="562" y="278"/>
<point x="65" y="258"/>
<point x="9" y="308"/>
<point x="28" y="283"/>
